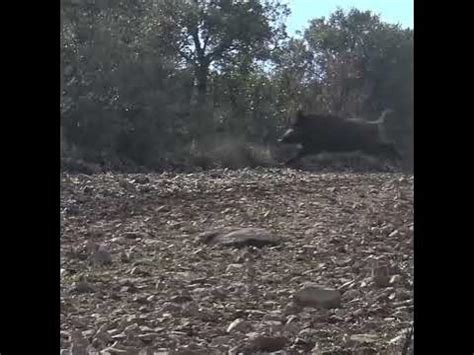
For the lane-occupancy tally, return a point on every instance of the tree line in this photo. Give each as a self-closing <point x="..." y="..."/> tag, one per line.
<point x="171" y="83"/>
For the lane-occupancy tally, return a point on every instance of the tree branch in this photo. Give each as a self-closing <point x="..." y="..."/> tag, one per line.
<point x="186" y="56"/>
<point x="206" y="41"/>
<point x="197" y="43"/>
<point x="221" y="48"/>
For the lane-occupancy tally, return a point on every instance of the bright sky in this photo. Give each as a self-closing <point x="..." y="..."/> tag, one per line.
<point x="391" y="11"/>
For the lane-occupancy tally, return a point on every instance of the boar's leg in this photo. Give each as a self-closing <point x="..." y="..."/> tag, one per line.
<point x="302" y="152"/>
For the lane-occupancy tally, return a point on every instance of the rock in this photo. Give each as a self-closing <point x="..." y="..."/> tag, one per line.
<point x="238" y="324"/>
<point x="365" y="351"/>
<point x="221" y="340"/>
<point x="83" y="287"/>
<point x="395" y="279"/>
<point x="266" y="343"/>
<point x="257" y="237"/>
<point x="102" y="334"/>
<point x="234" y="267"/>
<point x="318" y="297"/>
<point x="123" y="183"/>
<point x="181" y="299"/>
<point x="114" y="331"/>
<point x="101" y="256"/>
<point x="119" y="337"/>
<point x="351" y="295"/>
<point x="79" y="344"/>
<point x="393" y="234"/>
<point x="72" y="210"/>
<point x="91" y="247"/>
<point x="141" y="180"/>
<point x="125" y="257"/>
<point x="363" y="338"/>
<point x="308" y="332"/>
<point x="148" y="337"/>
<point x="133" y="235"/>
<point x="381" y="276"/>
<point x="271" y="324"/>
<point x="292" y="308"/>
<point x="404" y="295"/>
<point x="115" y="351"/>
<point x="191" y="352"/>
<point x="87" y="189"/>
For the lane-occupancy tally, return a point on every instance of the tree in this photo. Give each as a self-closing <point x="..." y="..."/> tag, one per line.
<point x="213" y="34"/>
<point x="362" y="60"/>
<point x="121" y="96"/>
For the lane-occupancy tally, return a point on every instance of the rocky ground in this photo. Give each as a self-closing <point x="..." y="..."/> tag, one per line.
<point x="143" y="269"/>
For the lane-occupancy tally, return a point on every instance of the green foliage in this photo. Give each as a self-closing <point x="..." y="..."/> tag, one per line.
<point x="150" y="82"/>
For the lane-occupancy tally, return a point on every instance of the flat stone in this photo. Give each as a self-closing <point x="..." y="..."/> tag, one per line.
<point x="257" y="237"/>
<point x="364" y="338"/>
<point x="266" y="343"/>
<point x="318" y="297"/>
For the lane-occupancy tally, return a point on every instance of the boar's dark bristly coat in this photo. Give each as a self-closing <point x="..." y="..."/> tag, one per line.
<point x="333" y="134"/>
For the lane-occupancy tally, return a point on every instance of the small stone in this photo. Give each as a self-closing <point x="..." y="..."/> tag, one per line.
<point x="113" y="332"/>
<point x="102" y="334"/>
<point x="234" y="267"/>
<point x="119" y="337"/>
<point x="181" y="299"/>
<point x="123" y="183"/>
<point x="395" y="279"/>
<point x="91" y="247"/>
<point x="141" y="180"/>
<point x="239" y="237"/>
<point x="239" y="325"/>
<point x="87" y="189"/>
<point x="125" y="257"/>
<point x="83" y="287"/>
<point x="358" y="312"/>
<point x="319" y="297"/>
<point x="150" y="298"/>
<point x="72" y="210"/>
<point x="393" y="234"/>
<point x="221" y="340"/>
<point x="266" y="343"/>
<point x="292" y="308"/>
<point x="308" y="332"/>
<point x="380" y="276"/>
<point x="148" y="337"/>
<point x="133" y="235"/>
<point x="101" y="256"/>
<point x="131" y="329"/>
<point x="351" y="295"/>
<point x="364" y="338"/>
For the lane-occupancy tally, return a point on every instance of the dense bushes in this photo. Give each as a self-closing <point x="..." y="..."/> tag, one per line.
<point x="162" y="84"/>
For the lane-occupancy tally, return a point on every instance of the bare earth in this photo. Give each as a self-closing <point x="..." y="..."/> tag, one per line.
<point x="135" y="276"/>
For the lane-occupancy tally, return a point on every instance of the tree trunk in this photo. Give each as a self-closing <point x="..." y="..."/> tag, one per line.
<point x="203" y="127"/>
<point x="202" y="73"/>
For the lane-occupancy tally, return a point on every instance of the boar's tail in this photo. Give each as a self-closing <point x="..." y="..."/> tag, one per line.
<point x="383" y="115"/>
